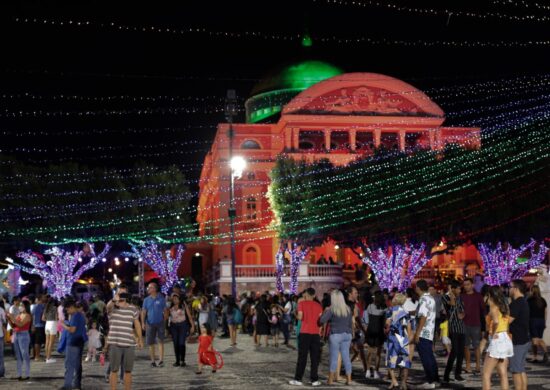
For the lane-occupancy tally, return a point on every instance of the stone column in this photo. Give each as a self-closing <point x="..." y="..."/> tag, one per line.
<point x="288" y="139"/>
<point x="296" y="138"/>
<point x="438" y="141"/>
<point x="352" y="137"/>
<point x="377" y="136"/>
<point x="401" y="140"/>
<point x="326" y="132"/>
<point x="431" y="136"/>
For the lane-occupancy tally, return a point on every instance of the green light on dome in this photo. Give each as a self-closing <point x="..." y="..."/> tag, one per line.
<point x="308" y="73"/>
<point x="307" y="41"/>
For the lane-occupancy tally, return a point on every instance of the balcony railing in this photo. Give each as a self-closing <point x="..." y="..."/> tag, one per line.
<point x="268" y="272"/>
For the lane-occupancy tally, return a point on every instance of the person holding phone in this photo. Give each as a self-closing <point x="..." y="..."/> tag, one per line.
<point x="124" y="330"/>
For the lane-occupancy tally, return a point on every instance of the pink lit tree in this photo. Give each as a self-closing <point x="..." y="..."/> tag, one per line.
<point x="501" y="265"/>
<point x="60" y="272"/>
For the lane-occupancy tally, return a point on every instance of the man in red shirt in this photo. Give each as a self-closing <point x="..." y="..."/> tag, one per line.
<point x="474" y="313"/>
<point x="308" y="312"/>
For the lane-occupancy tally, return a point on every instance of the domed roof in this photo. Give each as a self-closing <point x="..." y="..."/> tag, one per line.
<point x="363" y="94"/>
<point x="282" y="84"/>
<point x="299" y="75"/>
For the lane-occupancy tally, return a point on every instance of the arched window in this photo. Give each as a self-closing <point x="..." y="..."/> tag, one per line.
<point x="250" y="144"/>
<point x="251" y="176"/>
<point x="251" y="208"/>
<point x="251" y="255"/>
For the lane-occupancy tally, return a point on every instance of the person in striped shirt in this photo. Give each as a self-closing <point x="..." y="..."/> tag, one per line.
<point x="452" y="303"/>
<point x="123" y="322"/>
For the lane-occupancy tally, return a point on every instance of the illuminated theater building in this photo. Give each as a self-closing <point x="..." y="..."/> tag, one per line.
<point x="309" y="111"/>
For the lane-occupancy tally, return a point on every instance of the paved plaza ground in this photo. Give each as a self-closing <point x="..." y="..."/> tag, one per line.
<point x="246" y="367"/>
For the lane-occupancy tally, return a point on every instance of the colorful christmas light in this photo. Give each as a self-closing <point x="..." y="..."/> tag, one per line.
<point x="397" y="266"/>
<point x="280" y="264"/>
<point x="60" y="271"/>
<point x="297" y="256"/>
<point x="500" y="264"/>
<point x="162" y="262"/>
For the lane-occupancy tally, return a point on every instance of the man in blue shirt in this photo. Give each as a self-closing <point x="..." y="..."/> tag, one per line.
<point x="153" y="315"/>
<point x="76" y="337"/>
<point x="39" y="325"/>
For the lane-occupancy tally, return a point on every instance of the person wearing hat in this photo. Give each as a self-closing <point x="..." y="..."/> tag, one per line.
<point x="76" y="338"/>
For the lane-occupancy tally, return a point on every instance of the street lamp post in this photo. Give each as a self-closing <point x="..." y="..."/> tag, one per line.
<point x="230" y="112"/>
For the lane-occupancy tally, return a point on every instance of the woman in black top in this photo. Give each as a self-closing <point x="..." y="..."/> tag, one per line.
<point x="262" y="322"/>
<point x="537" y="322"/>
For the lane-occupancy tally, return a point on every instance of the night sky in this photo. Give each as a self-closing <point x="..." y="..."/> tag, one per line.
<point x="173" y="75"/>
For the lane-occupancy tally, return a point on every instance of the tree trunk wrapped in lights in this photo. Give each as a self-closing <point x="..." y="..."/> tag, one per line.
<point x="500" y="263"/>
<point x="60" y="271"/>
<point x="163" y="263"/>
<point x="280" y="269"/>
<point x="398" y="267"/>
<point x="297" y="255"/>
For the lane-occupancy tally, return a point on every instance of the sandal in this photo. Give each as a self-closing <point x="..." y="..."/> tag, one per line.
<point x="198" y="372"/>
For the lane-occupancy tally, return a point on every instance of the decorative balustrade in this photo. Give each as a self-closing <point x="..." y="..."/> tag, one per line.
<point x="268" y="272"/>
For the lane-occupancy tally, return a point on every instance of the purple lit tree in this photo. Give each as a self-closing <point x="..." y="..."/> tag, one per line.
<point x="60" y="271"/>
<point x="398" y="269"/>
<point x="297" y="255"/>
<point x="280" y="269"/>
<point x="500" y="263"/>
<point x="162" y="262"/>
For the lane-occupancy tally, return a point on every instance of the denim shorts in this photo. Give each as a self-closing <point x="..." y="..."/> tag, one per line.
<point x="517" y="362"/>
<point x="473" y="336"/>
<point x="154" y="331"/>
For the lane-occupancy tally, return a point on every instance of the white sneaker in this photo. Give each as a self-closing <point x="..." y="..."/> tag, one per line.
<point x="367" y="374"/>
<point x="316" y="383"/>
<point x="426" y="386"/>
<point x="294" y="382"/>
<point x="376" y="375"/>
<point x="51" y="360"/>
<point x="87" y="359"/>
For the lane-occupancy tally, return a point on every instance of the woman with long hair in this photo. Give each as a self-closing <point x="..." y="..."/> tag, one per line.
<point x="537" y="323"/>
<point x="500" y="345"/>
<point x="180" y="318"/>
<point x="340" y="318"/>
<point x="263" y="327"/>
<point x="230" y="311"/>
<point x="21" y="325"/>
<point x="50" y="316"/>
<point x="375" y="337"/>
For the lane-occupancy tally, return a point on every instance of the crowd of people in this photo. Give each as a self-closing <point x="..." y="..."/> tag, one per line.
<point x="500" y="328"/>
<point x="378" y="327"/>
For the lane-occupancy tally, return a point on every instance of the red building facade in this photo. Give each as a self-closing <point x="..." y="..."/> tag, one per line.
<point x="341" y="118"/>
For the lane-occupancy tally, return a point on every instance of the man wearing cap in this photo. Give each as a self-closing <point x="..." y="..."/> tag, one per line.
<point x="123" y="322"/>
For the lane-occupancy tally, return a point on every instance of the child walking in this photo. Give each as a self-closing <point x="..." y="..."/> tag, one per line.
<point x="206" y="353"/>
<point x="94" y="342"/>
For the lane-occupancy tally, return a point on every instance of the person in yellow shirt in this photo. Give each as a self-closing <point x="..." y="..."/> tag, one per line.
<point x="445" y="340"/>
<point x="500" y="344"/>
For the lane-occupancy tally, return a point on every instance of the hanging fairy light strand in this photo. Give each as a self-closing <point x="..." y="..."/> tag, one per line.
<point x="450" y="178"/>
<point x="286" y="37"/>
<point x="436" y="12"/>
